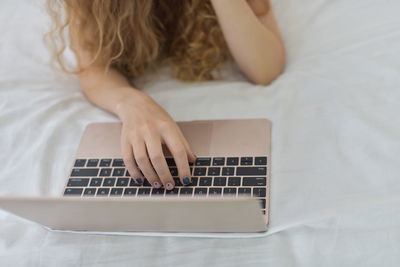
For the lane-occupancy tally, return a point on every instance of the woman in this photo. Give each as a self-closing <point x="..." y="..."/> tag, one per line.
<point x="116" y="40"/>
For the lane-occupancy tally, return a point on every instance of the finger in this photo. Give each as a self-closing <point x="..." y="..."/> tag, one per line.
<point x="157" y="158"/>
<point x="129" y="160"/>
<point x="178" y="151"/>
<point x="191" y="156"/>
<point x="142" y="160"/>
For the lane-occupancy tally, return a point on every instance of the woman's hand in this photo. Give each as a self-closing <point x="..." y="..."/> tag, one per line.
<point x="259" y="7"/>
<point x="145" y="127"/>
<point x="253" y="38"/>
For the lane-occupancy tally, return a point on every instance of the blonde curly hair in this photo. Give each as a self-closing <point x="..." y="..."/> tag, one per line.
<point x="134" y="36"/>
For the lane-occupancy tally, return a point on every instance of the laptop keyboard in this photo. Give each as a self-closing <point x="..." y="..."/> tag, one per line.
<point x="211" y="176"/>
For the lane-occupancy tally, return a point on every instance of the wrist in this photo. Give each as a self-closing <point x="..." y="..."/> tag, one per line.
<point x="130" y="99"/>
<point x="125" y="100"/>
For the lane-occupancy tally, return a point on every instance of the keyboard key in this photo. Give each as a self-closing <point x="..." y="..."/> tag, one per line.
<point x="260" y="161"/>
<point x="259" y="192"/>
<point x="251" y="171"/>
<point x="122" y="181"/>
<point x="118" y="163"/>
<point x="174" y="171"/>
<point x="103" y="192"/>
<point x="230" y="191"/>
<point x="254" y="181"/>
<point x="214" y="171"/>
<point x="234" y="181"/>
<point x="105" y="172"/>
<point x="130" y="192"/>
<point x="80" y="163"/>
<point x="80" y="182"/>
<point x="73" y="191"/>
<point x="172" y="192"/>
<point x="244" y="191"/>
<point x="233" y="161"/>
<point x="199" y="171"/>
<point x="118" y="172"/>
<point x="218" y="161"/>
<point x="96" y="181"/>
<point x="262" y="203"/>
<point x="246" y="161"/>
<point x="219" y="181"/>
<point x="195" y="180"/>
<point x="127" y="174"/>
<point x="92" y="163"/>
<point x="146" y="183"/>
<point x="170" y="162"/>
<point x="158" y="191"/>
<point x="177" y="182"/>
<point x="89" y="192"/>
<point x="116" y="191"/>
<point x="84" y="172"/>
<point x="203" y="162"/>
<point x="214" y="191"/>
<point x="144" y="191"/>
<point x="228" y="171"/>
<point x="133" y="183"/>
<point x="201" y="191"/>
<point x="109" y="182"/>
<point x="187" y="191"/>
<point x="205" y="181"/>
<point x="105" y="163"/>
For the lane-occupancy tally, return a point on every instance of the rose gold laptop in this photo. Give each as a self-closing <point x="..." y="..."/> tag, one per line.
<point x="229" y="192"/>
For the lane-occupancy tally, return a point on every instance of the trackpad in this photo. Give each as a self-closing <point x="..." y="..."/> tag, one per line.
<point x="198" y="135"/>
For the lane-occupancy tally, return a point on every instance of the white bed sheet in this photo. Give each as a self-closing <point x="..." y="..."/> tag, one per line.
<point x="335" y="156"/>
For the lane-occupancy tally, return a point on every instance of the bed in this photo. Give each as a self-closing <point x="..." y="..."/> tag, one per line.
<point x="335" y="194"/>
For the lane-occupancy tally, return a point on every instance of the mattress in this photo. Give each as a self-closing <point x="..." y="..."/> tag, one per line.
<point x="335" y="193"/>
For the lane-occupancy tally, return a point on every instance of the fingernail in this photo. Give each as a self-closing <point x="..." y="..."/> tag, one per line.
<point x="156" y="184"/>
<point x="139" y="180"/>
<point x="169" y="186"/>
<point x="186" y="181"/>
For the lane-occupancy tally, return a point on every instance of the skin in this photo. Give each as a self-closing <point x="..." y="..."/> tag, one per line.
<point x="256" y="45"/>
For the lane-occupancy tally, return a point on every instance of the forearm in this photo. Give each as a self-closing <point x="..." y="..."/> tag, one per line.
<point x="107" y="90"/>
<point x="256" y="48"/>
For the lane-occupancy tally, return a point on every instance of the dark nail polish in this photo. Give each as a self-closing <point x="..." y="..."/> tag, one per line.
<point x="169" y="186"/>
<point x="186" y="181"/>
<point x="139" y="181"/>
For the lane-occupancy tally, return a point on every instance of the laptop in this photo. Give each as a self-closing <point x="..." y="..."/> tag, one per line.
<point x="229" y="193"/>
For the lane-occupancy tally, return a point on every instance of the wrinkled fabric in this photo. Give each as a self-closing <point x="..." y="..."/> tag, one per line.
<point x="335" y="143"/>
